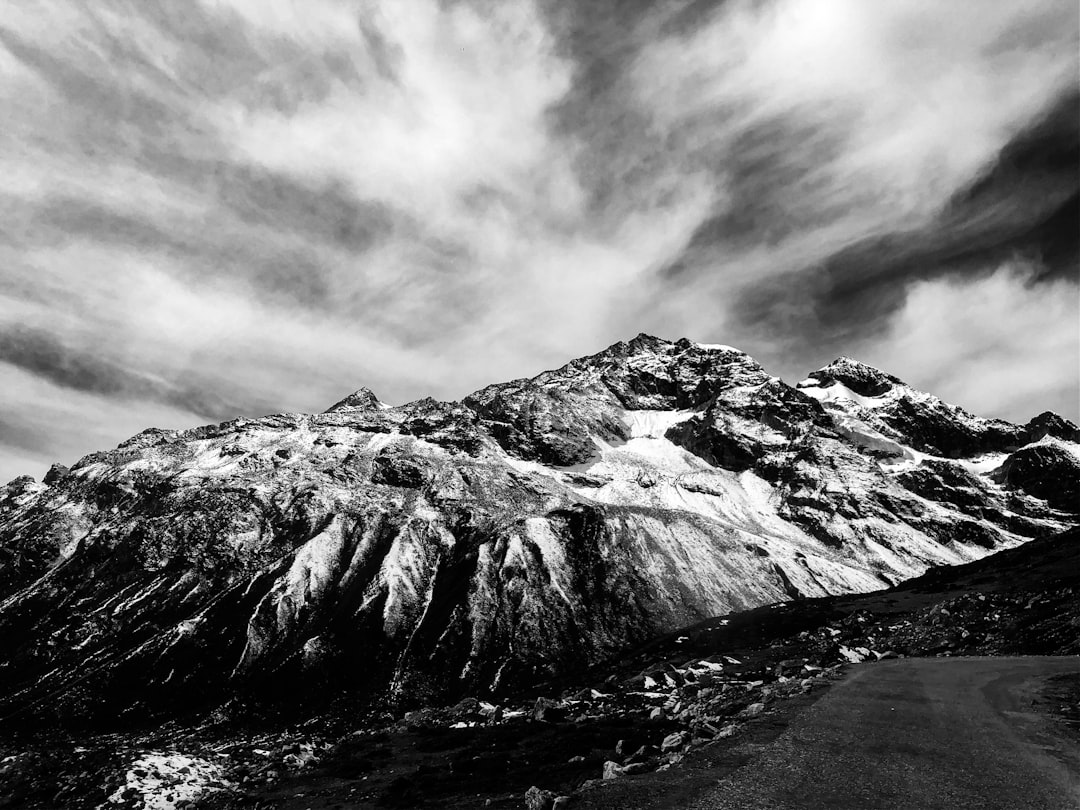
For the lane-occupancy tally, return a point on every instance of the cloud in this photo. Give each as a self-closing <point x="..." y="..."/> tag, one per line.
<point x="1000" y="344"/>
<point x="246" y="206"/>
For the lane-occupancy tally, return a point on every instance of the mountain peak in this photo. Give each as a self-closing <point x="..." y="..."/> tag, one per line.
<point x="865" y="380"/>
<point x="361" y="399"/>
<point x="1049" y="423"/>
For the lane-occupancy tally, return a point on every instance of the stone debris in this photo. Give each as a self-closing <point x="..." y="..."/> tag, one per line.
<point x="167" y="781"/>
<point x="537" y="799"/>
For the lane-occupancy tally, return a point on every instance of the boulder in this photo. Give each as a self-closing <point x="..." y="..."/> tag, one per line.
<point x="753" y="710"/>
<point x="612" y="770"/>
<point x="673" y="742"/>
<point x="549" y="711"/>
<point x="538" y="799"/>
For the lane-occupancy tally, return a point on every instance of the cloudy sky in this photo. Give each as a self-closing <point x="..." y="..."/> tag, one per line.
<point x="222" y="207"/>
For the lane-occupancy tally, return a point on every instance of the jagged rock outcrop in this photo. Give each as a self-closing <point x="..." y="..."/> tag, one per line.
<point x="540" y="525"/>
<point x="1046" y="471"/>
<point x="922" y="421"/>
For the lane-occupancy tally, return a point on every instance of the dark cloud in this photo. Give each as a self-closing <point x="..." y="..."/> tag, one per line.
<point x="1022" y="209"/>
<point x="22" y="435"/>
<point x="43" y="355"/>
<point x="84" y="369"/>
<point x="327" y="213"/>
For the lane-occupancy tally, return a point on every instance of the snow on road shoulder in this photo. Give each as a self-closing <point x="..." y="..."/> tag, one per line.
<point x="162" y="781"/>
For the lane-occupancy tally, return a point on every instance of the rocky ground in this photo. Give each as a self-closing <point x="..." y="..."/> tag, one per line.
<point x="687" y="703"/>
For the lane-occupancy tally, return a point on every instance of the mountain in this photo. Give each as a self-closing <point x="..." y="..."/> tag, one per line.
<point x="434" y="548"/>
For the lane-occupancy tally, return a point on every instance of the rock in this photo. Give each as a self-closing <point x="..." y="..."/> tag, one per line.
<point x="57" y="472"/>
<point x="562" y="802"/>
<point x="549" y="711"/>
<point x="656" y="714"/>
<point x="612" y="770"/>
<point x="643" y="753"/>
<point x="420" y="718"/>
<point x="854" y="655"/>
<point x="646" y="479"/>
<point x="299" y="761"/>
<point x="395" y="469"/>
<point x="674" y="741"/>
<point x="466" y="707"/>
<point x="537" y="799"/>
<point x="1045" y="471"/>
<point x="787" y="666"/>
<point x="753" y="710"/>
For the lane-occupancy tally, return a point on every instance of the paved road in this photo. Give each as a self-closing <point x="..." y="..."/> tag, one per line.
<point x="918" y="733"/>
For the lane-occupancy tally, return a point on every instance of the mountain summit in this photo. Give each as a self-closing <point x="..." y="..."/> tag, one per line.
<point x="420" y="551"/>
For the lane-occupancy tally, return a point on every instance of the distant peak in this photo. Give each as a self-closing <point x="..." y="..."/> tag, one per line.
<point x="1049" y="423"/>
<point x="361" y="399"/>
<point x="863" y="379"/>
<point x="648" y="342"/>
<point x="645" y="342"/>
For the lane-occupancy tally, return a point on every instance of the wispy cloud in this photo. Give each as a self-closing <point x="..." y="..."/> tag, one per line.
<point x="242" y="206"/>
<point x="999" y="344"/>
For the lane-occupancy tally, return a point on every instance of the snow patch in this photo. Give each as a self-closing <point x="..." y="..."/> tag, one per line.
<point x="981" y="465"/>
<point x="538" y="530"/>
<point x="162" y="781"/>
<point x="653" y="424"/>
<point x="1053" y="441"/>
<point x="840" y="393"/>
<point x="718" y="347"/>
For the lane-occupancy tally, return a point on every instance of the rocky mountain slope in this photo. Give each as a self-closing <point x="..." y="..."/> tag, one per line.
<point x="537" y="526"/>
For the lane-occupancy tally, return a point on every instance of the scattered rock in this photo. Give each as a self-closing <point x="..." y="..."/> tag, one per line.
<point x="538" y="799"/>
<point x="753" y="710"/>
<point x="549" y="711"/>
<point x="673" y="742"/>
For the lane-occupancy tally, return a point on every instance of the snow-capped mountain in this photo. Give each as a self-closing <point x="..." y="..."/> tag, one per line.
<point x="538" y="525"/>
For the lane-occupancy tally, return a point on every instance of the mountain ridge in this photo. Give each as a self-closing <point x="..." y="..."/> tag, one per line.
<point x="421" y="550"/>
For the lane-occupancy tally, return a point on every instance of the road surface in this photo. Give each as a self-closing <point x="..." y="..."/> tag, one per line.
<point x="951" y="733"/>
